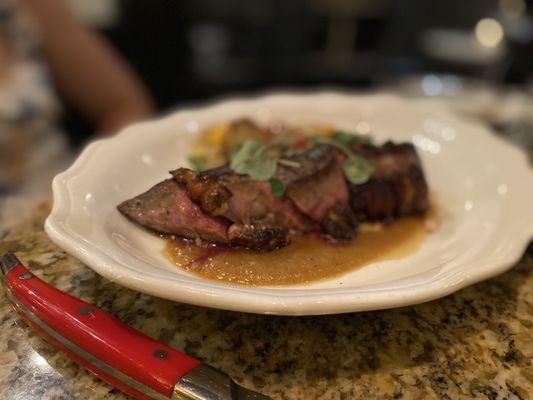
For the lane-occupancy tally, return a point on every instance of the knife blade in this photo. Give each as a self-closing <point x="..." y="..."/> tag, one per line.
<point x="130" y="361"/>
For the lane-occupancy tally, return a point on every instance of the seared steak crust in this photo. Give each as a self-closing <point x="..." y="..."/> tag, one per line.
<point x="210" y="194"/>
<point x="339" y="224"/>
<point x="259" y="237"/>
<point x="397" y="187"/>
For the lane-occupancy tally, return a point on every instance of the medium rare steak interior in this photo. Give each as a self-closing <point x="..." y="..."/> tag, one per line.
<point x="219" y="205"/>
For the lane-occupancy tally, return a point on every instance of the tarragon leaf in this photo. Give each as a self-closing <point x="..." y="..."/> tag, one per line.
<point x="357" y="170"/>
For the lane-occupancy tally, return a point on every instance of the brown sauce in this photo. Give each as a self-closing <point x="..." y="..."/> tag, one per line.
<point x="308" y="258"/>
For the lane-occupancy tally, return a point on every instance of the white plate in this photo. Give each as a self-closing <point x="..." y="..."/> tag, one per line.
<point x="483" y="186"/>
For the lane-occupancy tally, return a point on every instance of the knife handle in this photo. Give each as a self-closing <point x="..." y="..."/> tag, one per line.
<point x="120" y="355"/>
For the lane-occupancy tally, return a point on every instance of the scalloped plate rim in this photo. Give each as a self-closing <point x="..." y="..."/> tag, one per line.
<point x="269" y="300"/>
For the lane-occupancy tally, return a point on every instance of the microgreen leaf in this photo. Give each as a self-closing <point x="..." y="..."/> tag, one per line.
<point x="252" y="159"/>
<point x="342" y="137"/>
<point x="347" y="138"/>
<point x="196" y="163"/>
<point x="357" y="170"/>
<point x="235" y="150"/>
<point x="277" y="187"/>
<point x="244" y="151"/>
<point x="283" y="141"/>
<point x="315" y="139"/>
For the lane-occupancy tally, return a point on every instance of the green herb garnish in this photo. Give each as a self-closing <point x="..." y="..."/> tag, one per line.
<point x="357" y="169"/>
<point x="196" y="163"/>
<point x="253" y="159"/>
<point x="343" y="137"/>
<point x="283" y="141"/>
<point x="347" y="138"/>
<point x="277" y="187"/>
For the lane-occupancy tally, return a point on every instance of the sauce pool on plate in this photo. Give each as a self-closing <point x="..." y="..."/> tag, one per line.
<point x="308" y="258"/>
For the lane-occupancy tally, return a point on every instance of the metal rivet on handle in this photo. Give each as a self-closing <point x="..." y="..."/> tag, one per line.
<point x="84" y="310"/>
<point x="25" y="276"/>
<point x="161" y="354"/>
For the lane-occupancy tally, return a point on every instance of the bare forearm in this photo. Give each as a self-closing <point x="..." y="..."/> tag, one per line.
<point x="87" y="71"/>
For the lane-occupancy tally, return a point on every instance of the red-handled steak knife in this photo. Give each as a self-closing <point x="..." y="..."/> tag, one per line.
<point x="118" y="354"/>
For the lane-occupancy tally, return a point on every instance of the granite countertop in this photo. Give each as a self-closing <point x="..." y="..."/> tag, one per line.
<point x="477" y="343"/>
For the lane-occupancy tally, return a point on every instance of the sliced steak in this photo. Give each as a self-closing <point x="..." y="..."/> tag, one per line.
<point x="252" y="202"/>
<point x="319" y="189"/>
<point x="310" y="163"/>
<point x="221" y="206"/>
<point x="316" y="197"/>
<point x="397" y="187"/>
<point x="259" y="219"/>
<point x="167" y="208"/>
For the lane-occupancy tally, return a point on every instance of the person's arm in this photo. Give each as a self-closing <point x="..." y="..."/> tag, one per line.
<point x="90" y="75"/>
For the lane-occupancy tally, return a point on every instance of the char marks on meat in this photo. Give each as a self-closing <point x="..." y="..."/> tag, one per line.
<point x="262" y="237"/>
<point x="397" y="187"/>
<point x="210" y="194"/>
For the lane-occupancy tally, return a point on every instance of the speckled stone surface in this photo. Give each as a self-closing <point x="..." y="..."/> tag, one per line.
<point x="477" y="343"/>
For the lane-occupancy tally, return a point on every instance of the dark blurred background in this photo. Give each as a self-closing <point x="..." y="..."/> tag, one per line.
<point x="191" y="50"/>
<point x="473" y="57"/>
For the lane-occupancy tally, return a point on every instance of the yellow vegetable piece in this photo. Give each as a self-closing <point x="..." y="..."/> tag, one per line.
<point x="216" y="134"/>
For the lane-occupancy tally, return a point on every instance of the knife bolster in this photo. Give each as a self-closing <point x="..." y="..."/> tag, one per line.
<point x="201" y="382"/>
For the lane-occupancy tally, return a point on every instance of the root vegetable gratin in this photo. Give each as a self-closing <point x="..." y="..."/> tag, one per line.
<point x="283" y="205"/>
